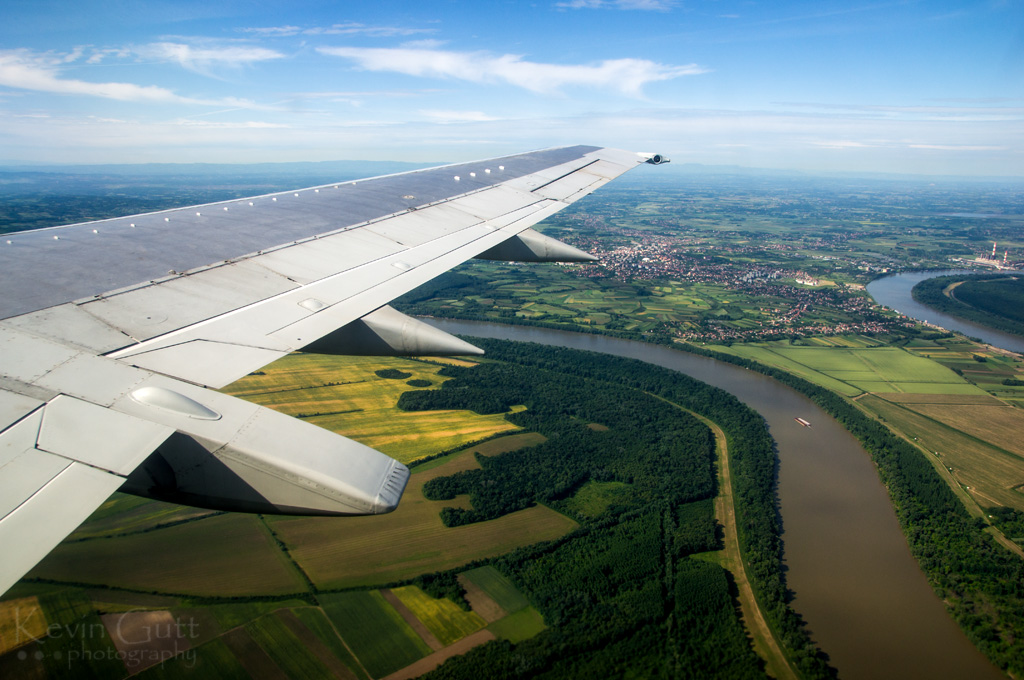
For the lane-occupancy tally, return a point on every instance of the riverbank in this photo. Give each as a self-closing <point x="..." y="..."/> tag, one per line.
<point x="894" y="291"/>
<point x="961" y="298"/>
<point x="866" y="601"/>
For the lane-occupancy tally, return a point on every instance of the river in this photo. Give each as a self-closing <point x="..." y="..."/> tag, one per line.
<point x="894" y="292"/>
<point x="866" y="601"/>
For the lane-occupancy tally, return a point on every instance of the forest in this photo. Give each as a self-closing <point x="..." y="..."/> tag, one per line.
<point x="622" y="593"/>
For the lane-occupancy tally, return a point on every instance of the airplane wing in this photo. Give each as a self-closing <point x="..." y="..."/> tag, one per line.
<point x="113" y="332"/>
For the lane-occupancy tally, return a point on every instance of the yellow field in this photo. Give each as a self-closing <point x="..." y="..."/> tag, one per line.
<point x="359" y="551"/>
<point x="1000" y="425"/>
<point x="989" y="473"/>
<point x="356" y="403"/>
<point x="442" y="617"/>
<point x="21" y="621"/>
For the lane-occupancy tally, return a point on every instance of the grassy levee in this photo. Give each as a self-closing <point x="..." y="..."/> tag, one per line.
<point x="412" y="540"/>
<point x="730" y="558"/>
<point x="378" y="636"/>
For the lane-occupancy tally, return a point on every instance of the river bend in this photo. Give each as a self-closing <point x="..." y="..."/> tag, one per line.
<point x="866" y="601"/>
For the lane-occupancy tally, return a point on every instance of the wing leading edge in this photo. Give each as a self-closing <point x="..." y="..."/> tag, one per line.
<point x="113" y="331"/>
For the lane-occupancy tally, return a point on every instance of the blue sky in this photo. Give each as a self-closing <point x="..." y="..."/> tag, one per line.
<point x="932" y="87"/>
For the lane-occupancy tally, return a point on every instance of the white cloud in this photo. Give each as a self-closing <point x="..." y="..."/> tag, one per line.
<point x="425" y="44"/>
<point x="200" y="59"/>
<point x="243" y="125"/>
<point x="367" y="93"/>
<point x="98" y="56"/>
<point x="957" y="147"/>
<point x="457" y="116"/>
<point x="805" y="141"/>
<point x="345" y="28"/>
<point x="24" y="70"/>
<point x="353" y="28"/>
<point x="273" y="31"/>
<point x="656" y="5"/>
<point x="626" y="75"/>
<point x="841" y="144"/>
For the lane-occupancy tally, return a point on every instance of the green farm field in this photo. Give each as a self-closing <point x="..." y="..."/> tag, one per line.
<point x="522" y="625"/>
<point x="997" y="424"/>
<point x="851" y="371"/>
<point x="411" y="540"/>
<point x="992" y="475"/>
<point x="122" y="514"/>
<point x="594" y="498"/>
<point x="498" y="588"/>
<point x="235" y="554"/>
<point x="287" y="648"/>
<point x="222" y="555"/>
<point x="215" y="659"/>
<point x="316" y="621"/>
<point x="376" y="633"/>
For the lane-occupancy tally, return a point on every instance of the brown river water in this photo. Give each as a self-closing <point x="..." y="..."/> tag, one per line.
<point x="866" y="602"/>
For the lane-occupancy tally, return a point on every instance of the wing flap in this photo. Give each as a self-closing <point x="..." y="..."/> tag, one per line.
<point x="14" y="407"/>
<point x="52" y="512"/>
<point x="25" y="474"/>
<point x="51" y="477"/>
<point x="97" y="436"/>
